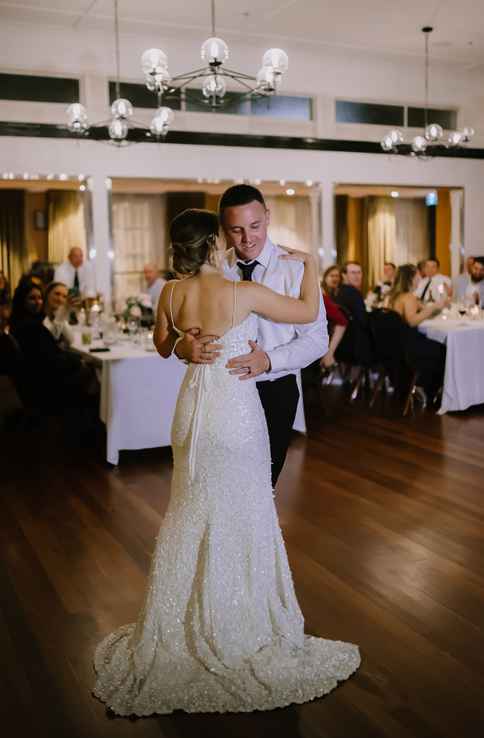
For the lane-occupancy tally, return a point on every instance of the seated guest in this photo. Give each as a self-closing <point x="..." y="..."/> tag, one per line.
<point x="424" y="355"/>
<point x="77" y="274"/>
<point x="349" y="294"/>
<point x="384" y="286"/>
<point x="52" y="377"/>
<point x="331" y="281"/>
<point x="435" y="285"/>
<point x="56" y="309"/>
<point x="355" y="347"/>
<point x="470" y="285"/>
<point x="154" y="284"/>
<point x="337" y="320"/>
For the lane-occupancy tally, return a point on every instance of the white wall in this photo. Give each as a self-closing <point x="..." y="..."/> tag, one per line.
<point x="322" y="71"/>
<point x="100" y="160"/>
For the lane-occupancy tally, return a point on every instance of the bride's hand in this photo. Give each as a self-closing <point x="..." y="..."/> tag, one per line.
<point x="295" y="255"/>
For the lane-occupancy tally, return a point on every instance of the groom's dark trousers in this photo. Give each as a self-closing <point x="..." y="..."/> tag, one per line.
<point x="279" y="400"/>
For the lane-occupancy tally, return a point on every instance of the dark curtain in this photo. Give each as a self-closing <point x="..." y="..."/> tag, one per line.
<point x="12" y="235"/>
<point x="341" y="227"/>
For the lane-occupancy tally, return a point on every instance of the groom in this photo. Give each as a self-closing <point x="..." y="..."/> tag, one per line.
<point x="281" y="349"/>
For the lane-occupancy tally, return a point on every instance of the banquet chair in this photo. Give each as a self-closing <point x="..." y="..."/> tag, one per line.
<point x="355" y="354"/>
<point x="388" y="334"/>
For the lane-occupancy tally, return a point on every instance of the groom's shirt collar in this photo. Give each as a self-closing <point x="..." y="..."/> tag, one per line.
<point x="266" y="253"/>
<point x="263" y="258"/>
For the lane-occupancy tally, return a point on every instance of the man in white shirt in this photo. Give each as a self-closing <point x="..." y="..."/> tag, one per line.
<point x="471" y="283"/>
<point x="281" y="349"/>
<point x="154" y="283"/>
<point x="76" y="274"/>
<point x="434" y="286"/>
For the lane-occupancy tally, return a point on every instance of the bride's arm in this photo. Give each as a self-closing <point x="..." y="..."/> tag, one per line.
<point x="164" y="337"/>
<point x="281" y="308"/>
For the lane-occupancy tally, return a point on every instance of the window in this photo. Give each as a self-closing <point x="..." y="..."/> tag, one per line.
<point x="369" y="113"/>
<point x="283" y="106"/>
<point x="445" y="118"/>
<point x="38" y="89"/>
<point x="140" y="97"/>
<point x="348" y="111"/>
<point x="235" y="103"/>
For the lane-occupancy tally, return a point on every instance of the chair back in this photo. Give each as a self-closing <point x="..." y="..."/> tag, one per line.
<point x="388" y="332"/>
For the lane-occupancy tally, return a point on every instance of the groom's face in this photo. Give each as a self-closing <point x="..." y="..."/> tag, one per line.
<point x="245" y="228"/>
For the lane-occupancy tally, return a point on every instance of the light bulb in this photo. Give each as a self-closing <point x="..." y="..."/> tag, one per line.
<point x="396" y="136"/>
<point x="118" y="129"/>
<point x="419" y="144"/>
<point x="162" y="121"/>
<point x="77" y="121"/>
<point x="266" y="79"/>
<point x="467" y="134"/>
<point x="153" y="60"/>
<point x="433" y="132"/>
<point x="455" y="138"/>
<point x="122" y="108"/>
<point x="277" y="59"/>
<point x="214" y="51"/>
<point x="386" y="143"/>
<point x="158" y="81"/>
<point x="214" y="85"/>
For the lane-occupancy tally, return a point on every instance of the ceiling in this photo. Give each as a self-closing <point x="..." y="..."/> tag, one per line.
<point x="371" y="25"/>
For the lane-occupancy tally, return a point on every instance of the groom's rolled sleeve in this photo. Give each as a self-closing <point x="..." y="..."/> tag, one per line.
<point x="310" y="343"/>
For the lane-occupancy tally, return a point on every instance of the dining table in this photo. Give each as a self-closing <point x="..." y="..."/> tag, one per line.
<point x="464" y="363"/>
<point x="139" y="391"/>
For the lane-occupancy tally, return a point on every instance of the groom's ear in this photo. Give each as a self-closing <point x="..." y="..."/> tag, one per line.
<point x="268" y="216"/>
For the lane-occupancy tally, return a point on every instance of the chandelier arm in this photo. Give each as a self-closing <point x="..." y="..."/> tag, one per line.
<point x="213" y="17"/>
<point x="201" y="72"/>
<point x="241" y="82"/>
<point x="234" y="74"/>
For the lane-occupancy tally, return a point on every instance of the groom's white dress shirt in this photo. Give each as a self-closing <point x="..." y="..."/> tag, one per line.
<point x="289" y="347"/>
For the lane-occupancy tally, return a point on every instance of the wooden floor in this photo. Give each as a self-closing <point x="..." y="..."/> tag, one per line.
<point x="384" y="523"/>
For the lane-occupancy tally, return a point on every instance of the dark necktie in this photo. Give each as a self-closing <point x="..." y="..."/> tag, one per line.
<point x="425" y="290"/>
<point x="76" y="280"/>
<point x="247" y="270"/>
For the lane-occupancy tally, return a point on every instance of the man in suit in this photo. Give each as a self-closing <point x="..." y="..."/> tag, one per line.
<point x="281" y="349"/>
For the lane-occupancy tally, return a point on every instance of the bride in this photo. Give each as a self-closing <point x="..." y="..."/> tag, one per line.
<point x="221" y="629"/>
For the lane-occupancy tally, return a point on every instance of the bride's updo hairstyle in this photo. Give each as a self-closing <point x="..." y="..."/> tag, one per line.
<point x="193" y="235"/>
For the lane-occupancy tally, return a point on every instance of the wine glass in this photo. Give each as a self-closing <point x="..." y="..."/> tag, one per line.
<point x="462" y="308"/>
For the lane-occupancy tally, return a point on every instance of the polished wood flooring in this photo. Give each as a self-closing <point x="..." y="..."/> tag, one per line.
<point x="384" y="523"/>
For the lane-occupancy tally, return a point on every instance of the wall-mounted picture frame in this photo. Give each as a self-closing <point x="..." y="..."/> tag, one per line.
<point x="40" y="220"/>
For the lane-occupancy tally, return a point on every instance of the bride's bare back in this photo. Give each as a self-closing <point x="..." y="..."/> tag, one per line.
<point x="205" y="302"/>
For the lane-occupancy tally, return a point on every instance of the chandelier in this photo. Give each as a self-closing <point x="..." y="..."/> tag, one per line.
<point x="121" y="120"/>
<point x="433" y="140"/>
<point x="214" y="75"/>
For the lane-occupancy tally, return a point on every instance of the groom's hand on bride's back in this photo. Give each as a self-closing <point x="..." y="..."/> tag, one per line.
<point x="197" y="349"/>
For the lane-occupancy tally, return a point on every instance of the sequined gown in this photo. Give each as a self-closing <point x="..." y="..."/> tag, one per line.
<point x="221" y="629"/>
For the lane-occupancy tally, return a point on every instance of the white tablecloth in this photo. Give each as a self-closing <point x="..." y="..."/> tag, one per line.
<point x="138" y="397"/>
<point x="464" y="364"/>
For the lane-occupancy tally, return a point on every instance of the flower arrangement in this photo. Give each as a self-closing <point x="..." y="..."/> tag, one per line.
<point x="136" y="307"/>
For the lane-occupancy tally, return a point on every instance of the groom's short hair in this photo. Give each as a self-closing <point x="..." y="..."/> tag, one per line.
<point x="241" y="194"/>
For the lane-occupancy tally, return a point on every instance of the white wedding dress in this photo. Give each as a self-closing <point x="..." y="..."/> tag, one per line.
<point x="221" y="629"/>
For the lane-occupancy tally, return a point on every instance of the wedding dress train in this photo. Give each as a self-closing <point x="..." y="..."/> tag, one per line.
<point x="221" y="629"/>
